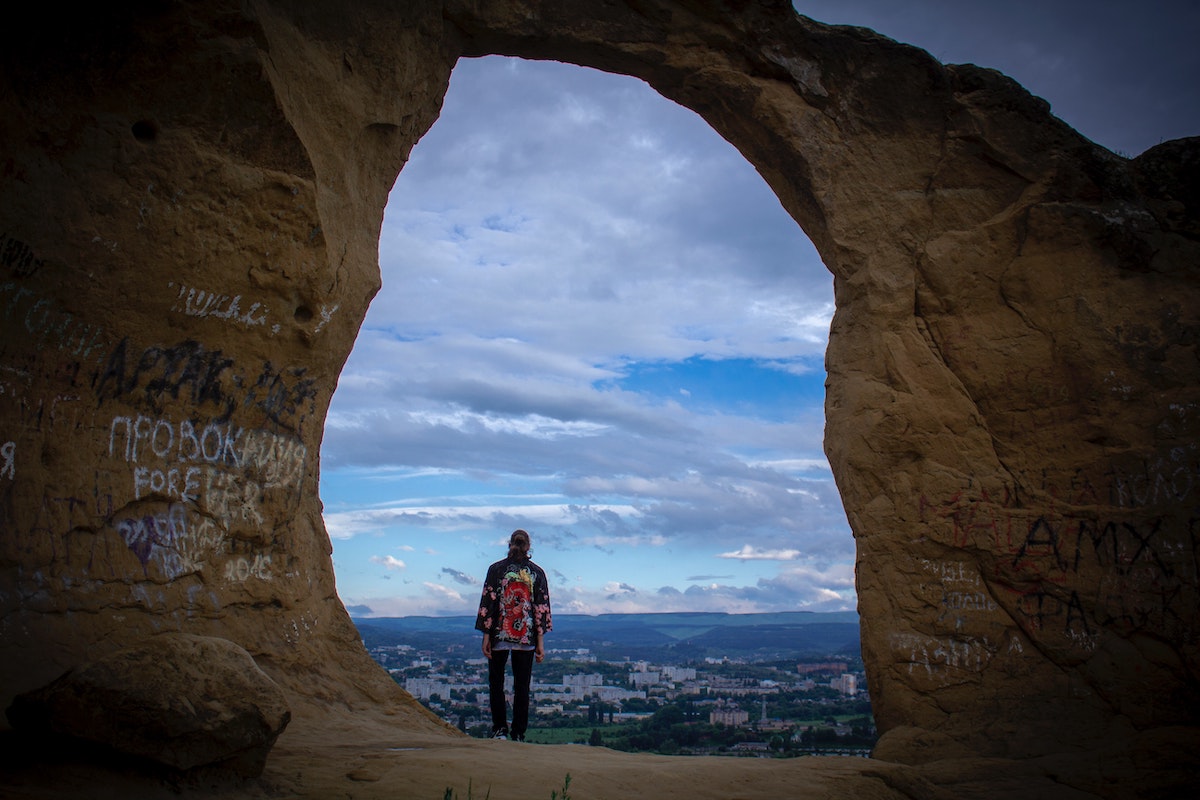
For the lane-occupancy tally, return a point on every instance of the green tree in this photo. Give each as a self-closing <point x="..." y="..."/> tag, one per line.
<point x="666" y="716"/>
<point x="640" y="704"/>
<point x="595" y="740"/>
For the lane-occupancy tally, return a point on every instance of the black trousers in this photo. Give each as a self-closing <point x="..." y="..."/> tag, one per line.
<point x="522" y="669"/>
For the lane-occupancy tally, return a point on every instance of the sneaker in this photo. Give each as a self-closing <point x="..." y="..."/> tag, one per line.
<point x="518" y="737"/>
<point x="501" y="734"/>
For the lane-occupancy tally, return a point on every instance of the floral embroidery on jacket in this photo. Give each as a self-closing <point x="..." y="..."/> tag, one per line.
<point x="515" y="604"/>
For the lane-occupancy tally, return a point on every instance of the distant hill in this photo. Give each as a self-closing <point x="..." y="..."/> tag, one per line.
<point x="660" y="637"/>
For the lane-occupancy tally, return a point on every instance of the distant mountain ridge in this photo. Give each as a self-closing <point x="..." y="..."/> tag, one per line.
<point x="667" y="636"/>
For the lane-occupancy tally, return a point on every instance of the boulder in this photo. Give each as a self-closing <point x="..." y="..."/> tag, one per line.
<point x="182" y="700"/>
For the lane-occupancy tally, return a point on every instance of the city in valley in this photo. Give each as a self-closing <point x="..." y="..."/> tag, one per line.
<point x="784" y="684"/>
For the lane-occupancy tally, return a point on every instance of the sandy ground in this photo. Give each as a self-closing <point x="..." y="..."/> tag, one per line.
<point x="377" y="757"/>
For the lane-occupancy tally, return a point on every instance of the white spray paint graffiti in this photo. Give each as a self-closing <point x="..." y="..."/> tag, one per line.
<point x="952" y="572"/>
<point x="276" y="460"/>
<point x="962" y="590"/>
<point x="195" y="302"/>
<point x="225" y="468"/>
<point x="968" y="601"/>
<point x="326" y="315"/>
<point x="938" y="655"/>
<point x="8" y="460"/>
<point x="242" y="568"/>
<point x="172" y="482"/>
<point x="215" y="476"/>
<point x="230" y="501"/>
<point x="215" y="442"/>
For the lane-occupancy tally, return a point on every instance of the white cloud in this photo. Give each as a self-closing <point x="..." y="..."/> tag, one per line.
<point x="752" y="553"/>
<point x="426" y="604"/>
<point x="444" y="594"/>
<point x="557" y="229"/>
<point x="389" y="562"/>
<point x="458" y="518"/>
<point x="460" y="577"/>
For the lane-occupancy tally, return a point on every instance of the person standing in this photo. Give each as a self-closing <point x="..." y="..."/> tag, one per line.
<point x="514" y="615"/>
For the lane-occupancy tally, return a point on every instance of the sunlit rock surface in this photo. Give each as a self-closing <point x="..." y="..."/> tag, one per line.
<point x="192" y="196"/>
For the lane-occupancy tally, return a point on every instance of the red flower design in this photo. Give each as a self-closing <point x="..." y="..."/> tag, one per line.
<point x="515" y="611"/>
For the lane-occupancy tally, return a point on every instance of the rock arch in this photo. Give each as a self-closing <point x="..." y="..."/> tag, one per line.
<point x="191" y="205"/>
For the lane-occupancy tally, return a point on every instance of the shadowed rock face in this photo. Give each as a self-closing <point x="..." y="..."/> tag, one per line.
<point x="189" y="219"/>
<point x="182" y="700"/>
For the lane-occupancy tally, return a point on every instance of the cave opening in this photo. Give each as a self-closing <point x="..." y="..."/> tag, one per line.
<point x="612" y="335"/>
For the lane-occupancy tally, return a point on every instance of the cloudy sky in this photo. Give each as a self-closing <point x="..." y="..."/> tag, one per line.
<point x="598" y="324"/>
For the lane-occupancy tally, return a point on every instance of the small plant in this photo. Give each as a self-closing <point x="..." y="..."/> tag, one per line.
<point x="566" y="785"/>
<point x="554" y="795"/>
<point x="450" y="794"/>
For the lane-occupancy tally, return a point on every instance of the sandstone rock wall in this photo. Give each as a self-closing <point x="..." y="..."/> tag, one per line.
<point x="191" y="203"/>
<point x="189" y="246"/>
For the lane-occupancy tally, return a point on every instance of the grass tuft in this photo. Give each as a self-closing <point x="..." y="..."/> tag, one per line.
<point x="450" y="794"/>
<point x="566" y="785"/>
